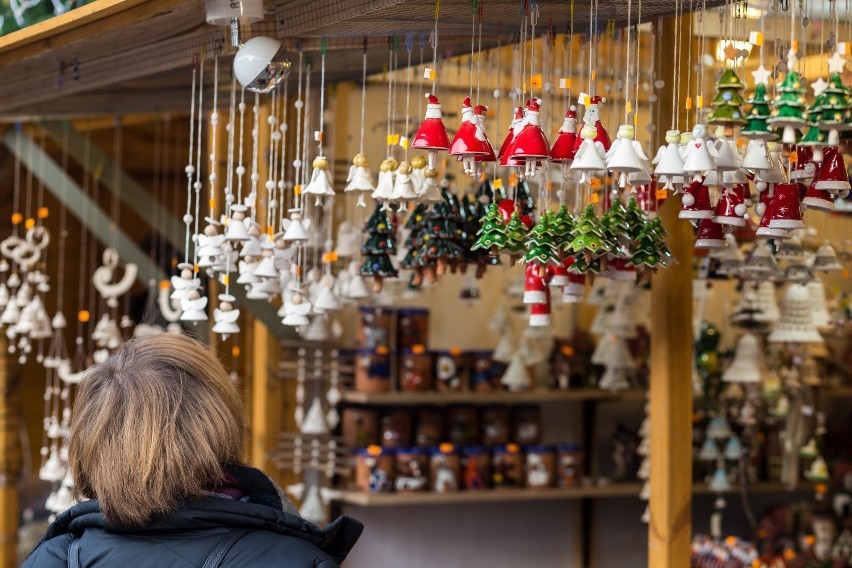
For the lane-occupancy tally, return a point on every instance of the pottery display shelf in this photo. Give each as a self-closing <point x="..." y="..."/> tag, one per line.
<point x="498" y="397"/>
<point x="613" y="491"/>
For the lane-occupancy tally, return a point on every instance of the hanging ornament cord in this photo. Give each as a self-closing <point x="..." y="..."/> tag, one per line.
<point x="297" y="163"/>
<point x="283" y="197"/>
<point x="241" y="169"/>
<point x="675" y="69"/>
<point x="214" y="126"/>
<point x="83" y="314"/>
<point x="306" y="143"/>
<point x="149" y="315"/>
<point x="255" y="155"/>
<point x="627" y="109"/>
<point x="272" y="120"/>
<point x="320" y="133"/>
<point x="638" y="68"/>
<point x="409" y="45"/>
<point x="115" y="207"/>
<point x="497" y="97"/>
<point x="190" y="169"/>
<point x="434" y="41"/>
<point x="229" y="167"/>
<point x="390" y="97"/>
<point x="197" y="185"/>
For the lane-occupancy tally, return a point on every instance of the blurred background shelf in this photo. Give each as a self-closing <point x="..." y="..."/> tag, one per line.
<point x="502" y="397"/>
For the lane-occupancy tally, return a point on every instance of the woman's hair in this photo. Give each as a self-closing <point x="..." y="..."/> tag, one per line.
<point x="152" y="427"/>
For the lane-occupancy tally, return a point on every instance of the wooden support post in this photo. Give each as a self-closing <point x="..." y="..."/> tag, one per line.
<point x="670" y="528"/>
<point x="10" y="464"/>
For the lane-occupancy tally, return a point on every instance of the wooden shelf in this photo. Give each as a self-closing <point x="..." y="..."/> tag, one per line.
<point x="614" y="491"/>
<point x="479" y="398"/>
<point x="488" y="496"/>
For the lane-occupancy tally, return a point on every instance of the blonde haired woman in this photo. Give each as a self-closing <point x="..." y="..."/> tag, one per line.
<point x="155" y="444"/>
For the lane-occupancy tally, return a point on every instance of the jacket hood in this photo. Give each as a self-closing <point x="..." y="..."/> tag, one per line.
<point x="262" y="511"/>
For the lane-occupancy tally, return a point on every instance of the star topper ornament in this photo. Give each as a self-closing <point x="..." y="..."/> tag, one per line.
<point x="731" y="51"/>
<point x="836" y="63"/>
<point x="761" y="75"/>
<point x="819" y="86"/>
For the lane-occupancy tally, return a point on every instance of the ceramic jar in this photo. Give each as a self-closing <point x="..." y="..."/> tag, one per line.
<point x="415" y="370"/>
<point x="462" y="425"/>
<point x="374" y="469"/>
<point x="450" y="370"/>
<point x="569" y="465"/>
<point x="412" y="470"/>
<point x="481" y="372"/>
<point x="526" y="425"/>
<point x="372" y="370"/>
<point x="540" y="466"/>
<point x="494" y="423"/>
<point x="374" y="327"/>
<point x="476" y="468"/>
<point x="395" y="428"/>
<point x="428" y="427"/>
<point x="445" y="467"/>
<point x="507" y="467"/>
<point x="359" y="426"/>
<point x="412" y="328"/>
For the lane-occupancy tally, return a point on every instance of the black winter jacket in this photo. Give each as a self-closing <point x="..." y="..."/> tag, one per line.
<point x="186" y="538"/>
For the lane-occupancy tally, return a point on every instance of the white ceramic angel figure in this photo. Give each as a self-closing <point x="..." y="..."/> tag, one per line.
<point x="403" y="186"/>
<point x="194" y="307"/>
<point x="296" y="310"/>
<point x="590" y="155"/>
<point x="225" y="316"/>
<point x="384" y="188"/>
<point x="320" y="184"/>
<point x="210" y="246"/>
<point x="360" y="178"/>
<point x="430" y="190"/>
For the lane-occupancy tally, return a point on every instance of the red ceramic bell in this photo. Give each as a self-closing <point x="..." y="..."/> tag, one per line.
<point x="710" y="235"/>
<point x="593" y="111"/>
<point x="646" y="195"/>
<point x="744" y="194"/>
<point x="432" y="135"/>
<point x="563" y="149"/>
<point x="696" y="202"/>
<point x="818" y="199"/>
<point x="730" y="210"/>
<point x="786" y="210"/>
<point x="540" y="313"/>
<point x="535" y="288"/>
<point x="465" y="142"/>
<point x="530" y="143"/>
<point x="804" y="167"/>
<point x="832" y="174"/>
<point x="488" y="150"/>
<point x="560" y="275"/>
<point x="620" y="269"/>
<point x="765" y="209"/>
<point x="508" y="143"/>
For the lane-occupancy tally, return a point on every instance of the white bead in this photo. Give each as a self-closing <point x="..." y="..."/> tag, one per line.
<point x="228" y="127"/>
<point x="242" y="107"/>
<point x="283" y="127"/>
<point x="197" y="185"/>
<point x="273" y="203"/>
<point x="271" y="120"/>
<point x="297" y="163"/>
<point x="298" y="103"/>
<point x="241" y="170"/>
<point x="229" y="198"/>
<point x="214" y="118"/>
<point x="270" y="185"/>
<point x="212" y="177"/>
<point x="254" y="132"/>
<point x="281" y="184"/>
<point x="276" y="136"/>
<point x="187" y="218"/>
<point x="190" y="169"/>
<point x="256" y="109"/>
<point x="255" y="176"/>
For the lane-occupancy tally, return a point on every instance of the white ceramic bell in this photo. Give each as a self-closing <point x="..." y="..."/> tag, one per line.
<point x="709" y="450"/>
<point x="614" y="379"/>
<point x="194" y="309"/>
<point x="796" y="324"/>
<point x="516" y="377"/>
<point x="624" y="159"/>
<point x="826" y="259"/>
<point x="320" y="184"/>
<point x="295" y="227"/>
<point x="246" y="273"/>
<point x="748" y="365"/>
<point x="698" y="159"/>
<point x="756" y="157"/>
<point x="819" y="309"/>
<point x="326" y="301"/>
<point x="314" y="422"/>
<point x="587" y="161"/>
<point x="266" y="267"/>
<point x="237" y="229"/>
<point x="724" y="157"/>
<point x="669" y="163"/>
<point x="719" y="482"/>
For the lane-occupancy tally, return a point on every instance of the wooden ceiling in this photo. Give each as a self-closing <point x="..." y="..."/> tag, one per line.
<point x="133" y="56"/>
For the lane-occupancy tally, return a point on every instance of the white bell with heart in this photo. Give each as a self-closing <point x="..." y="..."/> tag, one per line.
<point x="698" y="159"/>
<point x="756" y="157"/>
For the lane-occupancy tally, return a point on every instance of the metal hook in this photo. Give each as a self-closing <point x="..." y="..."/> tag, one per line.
<point x="784" y="4"/>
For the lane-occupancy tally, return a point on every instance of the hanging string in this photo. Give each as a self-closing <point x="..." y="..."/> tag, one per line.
<point x="271" y="169"/>
<point x="84" y="246"/>
<point x="364" y="93"/>
<point x="409" y="45"/>
<point x="297" y="163"/>
<point x="473" y="10"/>
<point x="214" y="125"/>
<point x="115" y="211"/>
<point x="197" y="185"/>
<point x="533" y="22"/>
<point x="282" y="160"/>
<point x="479" y="50"/>
<point x="390" y="96"/>
<point x="241" y="169"/>
<point x="591" y="50"/>
<point x="627" y="66"/>
<point x="638" y="75"/>
<point x="434" y="41"/>
<point x="497" y="97"/>
<point x="16" y="183"/>
<point x="255" y="155"/>
<point x="63" y="231"/>
<point x="323" y="51"/>
<point x="190" y="169"/>
<point x="231" y="128"/>
<point x="689" y="68"/>
<point x="676" y="70"/>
